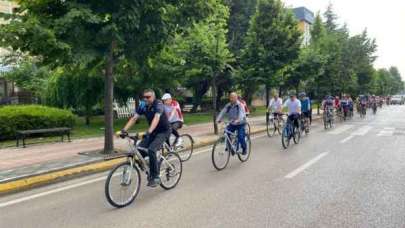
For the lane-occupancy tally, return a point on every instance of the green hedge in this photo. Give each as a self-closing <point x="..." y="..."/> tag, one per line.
<point x="31" y="117"/>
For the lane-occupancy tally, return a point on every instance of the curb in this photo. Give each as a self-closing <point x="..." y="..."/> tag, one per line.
<point x="29" y="182"/>
<point x="26" y="183"/>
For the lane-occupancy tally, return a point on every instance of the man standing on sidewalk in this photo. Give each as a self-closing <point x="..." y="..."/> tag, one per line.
<point x="159" y="130"/>
<point x="237" y="119"/>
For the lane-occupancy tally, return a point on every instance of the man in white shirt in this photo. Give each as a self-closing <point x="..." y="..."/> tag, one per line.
<point x="294" y="109"/>
<point x="275" y="105"/>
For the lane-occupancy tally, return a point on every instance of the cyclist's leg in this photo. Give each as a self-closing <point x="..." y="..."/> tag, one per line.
<point x="175" y="126"/>
<point x="241" y="137"/>
<point x="156" y="143"/>
<point x="232" y="129"/>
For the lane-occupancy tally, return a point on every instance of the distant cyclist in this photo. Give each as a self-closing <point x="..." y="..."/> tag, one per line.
<point x="345" y="106"/>
<point x="294" y="110"/>
<point x="245" y="106"/>
<point x="305" y="105"/>
<point x="235" y="112"/>
<point x="174" y="115"/>
<point x="275" y="106"/>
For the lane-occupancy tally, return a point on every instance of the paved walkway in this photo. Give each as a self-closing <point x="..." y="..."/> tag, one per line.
<point x="39" y="158"/>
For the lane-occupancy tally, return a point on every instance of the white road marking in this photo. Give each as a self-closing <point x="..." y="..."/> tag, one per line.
<point x="362" y="131"/>
<point x="23" y="199"/>
<point x="60" y="189"/>
<point x="347" y="138"/>
<point x="306" y="165"/>
<point x="340" y="129"/>
<point x="386" y="133"/>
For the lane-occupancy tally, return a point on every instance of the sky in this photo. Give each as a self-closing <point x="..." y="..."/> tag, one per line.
<point x="384" y="20"/>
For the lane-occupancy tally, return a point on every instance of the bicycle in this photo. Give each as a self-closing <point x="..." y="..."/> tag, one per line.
<point x="227" y="145"/>
<point x="274" y="123"/>
<point x="304" y="124"/>
<point x="126" y="176"/>
<point x="328" y="118"/>
<point x="289" y="132"/>
<point x="363" y="111"/>
<point x="184" y="150"/>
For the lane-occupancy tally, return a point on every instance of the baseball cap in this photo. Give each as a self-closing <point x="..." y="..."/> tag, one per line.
<point x="166" y="96"/>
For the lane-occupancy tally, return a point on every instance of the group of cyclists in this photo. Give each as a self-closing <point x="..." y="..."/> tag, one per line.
<point x="165" y="118"/>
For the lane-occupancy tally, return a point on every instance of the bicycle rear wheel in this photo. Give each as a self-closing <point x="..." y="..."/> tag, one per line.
<point x="171" y="169"/>
<point x="297" y="135"/>
<point x="185" y="150"/>
<point x="247" y="129"/>
<point x="122" y="185"/>
<point x="220" y="154"/>
<point x="244" y="158"/>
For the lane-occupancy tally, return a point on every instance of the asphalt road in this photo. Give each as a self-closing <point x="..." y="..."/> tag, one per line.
<point x="350" y="176"/>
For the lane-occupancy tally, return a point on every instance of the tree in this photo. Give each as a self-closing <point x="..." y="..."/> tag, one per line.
<point x="273" y="42"/>
<point x="101" y="31"/>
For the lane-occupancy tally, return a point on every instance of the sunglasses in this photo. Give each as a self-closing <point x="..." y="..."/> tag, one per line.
<point x="147" y="97"/>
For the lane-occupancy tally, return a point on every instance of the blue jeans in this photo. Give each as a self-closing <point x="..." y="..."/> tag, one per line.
<point x="241" y="134"/>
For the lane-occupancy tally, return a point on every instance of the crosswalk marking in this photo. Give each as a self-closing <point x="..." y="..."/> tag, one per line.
<point x="362" y="131"/>
<point x="341" y="129"/>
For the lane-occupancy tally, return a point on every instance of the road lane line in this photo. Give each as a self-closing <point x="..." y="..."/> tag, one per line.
<point x="31" y="197"/>
<point x="341" y="129"/>
<point x="306" y="165"/>
<point x="38" y="195"/>
<point x="347" y="138"/>
<point x="362" y="131"/>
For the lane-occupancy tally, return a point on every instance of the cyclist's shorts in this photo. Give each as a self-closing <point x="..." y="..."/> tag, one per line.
<point x="306" y="114"/>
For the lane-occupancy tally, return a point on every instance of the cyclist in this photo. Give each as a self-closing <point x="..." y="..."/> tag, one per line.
<point x="351" y="105"/>
<point x="159" y="130"/>
<point x="174" y="115"/>
<point x="245" y="106"/>
<point x="237" y="118"/>
<point x="337" y="104"/>
<point x="305" y="105"/>
<point x="363" y="103"/>
<point x="275" y="106"/>
<point x="294" y="110"/>
<point x="328" y="105"/>
<point x="345" y="106"/>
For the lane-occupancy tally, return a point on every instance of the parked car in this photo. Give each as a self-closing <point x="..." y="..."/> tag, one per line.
<point x="397" y="100"/>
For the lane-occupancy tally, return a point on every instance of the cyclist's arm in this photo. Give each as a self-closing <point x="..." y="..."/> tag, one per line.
<point x="221" y="114"/>
<point x="154" y="123"/>
<point x="131" y="122"/>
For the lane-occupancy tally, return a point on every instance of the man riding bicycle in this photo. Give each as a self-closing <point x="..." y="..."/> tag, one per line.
<point x="345" y="105"/>
<point x="275" y="106"/>
<point x="237" y="119"/>
<point x="305" y="105"/>
<point x="159" y="130"/>
<point x="294" y="110"/>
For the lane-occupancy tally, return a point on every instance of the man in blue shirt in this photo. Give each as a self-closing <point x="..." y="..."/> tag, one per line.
<point x="305" y="105"/>
<point x="159" y="130"/>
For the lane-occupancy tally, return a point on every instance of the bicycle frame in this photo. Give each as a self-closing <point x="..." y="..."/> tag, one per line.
<point x="228" y="140"/>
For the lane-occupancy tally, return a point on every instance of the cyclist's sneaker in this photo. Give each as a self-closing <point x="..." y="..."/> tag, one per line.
<point x="179" y="142"/>
<point x="244" y="152"/>
<point x="153" y="183"/>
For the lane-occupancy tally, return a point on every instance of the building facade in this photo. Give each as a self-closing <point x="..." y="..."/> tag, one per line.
<point x="306" y="19"/>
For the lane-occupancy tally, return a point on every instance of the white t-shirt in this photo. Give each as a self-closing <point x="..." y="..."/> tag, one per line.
<point x="275" y="105"/>
<point x="292" y="106"/>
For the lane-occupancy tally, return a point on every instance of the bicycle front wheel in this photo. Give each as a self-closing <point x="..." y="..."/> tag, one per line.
<point x="247" y="129"/>
<point x="271" y="127"/>
<point x="171" y="169"/>
<point x="245" y="157"/>
<point x="285" y="138"/>
<point x="122" y="185"/>
<point x="220" y="154"/>
<point x="297" y="135"/>
<point x="185" y="148"/>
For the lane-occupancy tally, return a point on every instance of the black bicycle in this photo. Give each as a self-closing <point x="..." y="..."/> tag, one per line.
<point x="290" y="131"/>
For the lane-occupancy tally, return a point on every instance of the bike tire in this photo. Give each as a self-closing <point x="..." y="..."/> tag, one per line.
<point x="285" y="138"/>
<point x="297" y="135"/>
<point x="247" y="129"/>
<point x="168" y="173"/>
<point x="112" y="175"/>
<point x="244" y="158"/>
<point x="219" y="148"/>
<point x="187" y="148"/>
<point x="270" y="128"/>
<point x="280" y="125"/>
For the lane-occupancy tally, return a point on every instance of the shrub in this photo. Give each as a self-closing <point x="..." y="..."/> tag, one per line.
<point x="31" y="117"/>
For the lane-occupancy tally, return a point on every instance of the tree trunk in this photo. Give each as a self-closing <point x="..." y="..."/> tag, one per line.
<point x="214" y="104"/>
<point x="267" y="94"/>
<point x="108" y="100"/>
